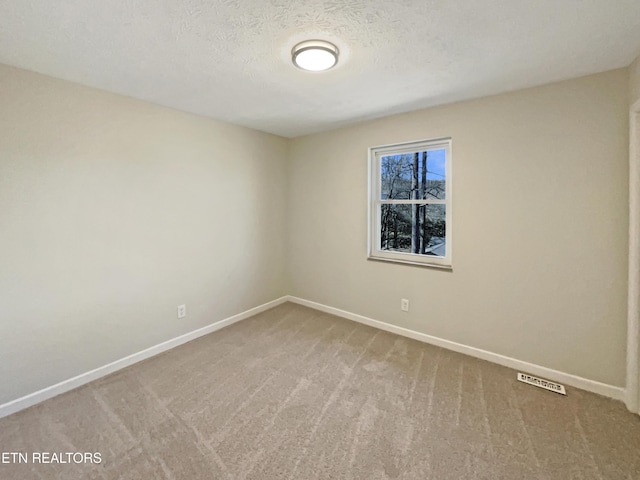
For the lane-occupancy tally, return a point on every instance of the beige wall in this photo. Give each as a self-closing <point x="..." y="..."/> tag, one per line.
<point x="539" y="234"/>
<point x="634" y="80"/>
<point x="113" y="212"/>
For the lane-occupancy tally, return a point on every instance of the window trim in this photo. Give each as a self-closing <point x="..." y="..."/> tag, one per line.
<point x="375" y="200"/>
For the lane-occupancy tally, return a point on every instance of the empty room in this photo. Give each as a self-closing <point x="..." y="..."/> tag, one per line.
<point x="320" y="239"/>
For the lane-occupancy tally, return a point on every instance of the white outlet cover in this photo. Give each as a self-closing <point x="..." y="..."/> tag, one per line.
<point x="182" y="311"/>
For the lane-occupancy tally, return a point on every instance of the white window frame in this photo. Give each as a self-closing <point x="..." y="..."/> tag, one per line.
<point x="375" y="202"/>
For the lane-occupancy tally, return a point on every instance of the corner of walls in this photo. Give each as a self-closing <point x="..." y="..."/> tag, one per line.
<point x="634" y="81"/>
<point x="287" y="212"/>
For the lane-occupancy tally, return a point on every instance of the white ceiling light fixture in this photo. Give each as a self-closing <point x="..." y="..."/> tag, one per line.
<point x="315" y="55"/>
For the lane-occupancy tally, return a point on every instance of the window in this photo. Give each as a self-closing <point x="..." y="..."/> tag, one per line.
<point x="410" y="202"/>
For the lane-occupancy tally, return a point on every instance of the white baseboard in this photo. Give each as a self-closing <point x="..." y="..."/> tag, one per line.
<point x="604" y="389"/>
<point x="66" y="385"/>
<point x="21" y="403"/>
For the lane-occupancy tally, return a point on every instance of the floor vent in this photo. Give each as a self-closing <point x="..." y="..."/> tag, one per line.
<point x="539" y="382"/>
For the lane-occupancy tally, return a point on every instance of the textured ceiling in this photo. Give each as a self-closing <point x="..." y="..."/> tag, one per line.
<point x="230" y="59"/>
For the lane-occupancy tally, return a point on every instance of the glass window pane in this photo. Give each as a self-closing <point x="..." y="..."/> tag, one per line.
<point x="434" y="180"/>
<point x="395" y="228"/>
<point x="395" y="173"/>
<point x="418" y="229"/>
<point x="418" y="175"/>
<point x="433" y="227"/>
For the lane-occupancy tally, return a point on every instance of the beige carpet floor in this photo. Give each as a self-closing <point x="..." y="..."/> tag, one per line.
<point x="297" y="394"/>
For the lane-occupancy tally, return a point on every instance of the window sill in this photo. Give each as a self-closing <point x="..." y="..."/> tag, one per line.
<point x="409" y="262"/>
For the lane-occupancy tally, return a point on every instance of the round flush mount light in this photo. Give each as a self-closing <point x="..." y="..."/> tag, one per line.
<point x="314" y="55"/>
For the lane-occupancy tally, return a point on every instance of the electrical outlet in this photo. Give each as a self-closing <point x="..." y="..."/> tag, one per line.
<point x="404" y="305"/>
<point x="182" y="311"/>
